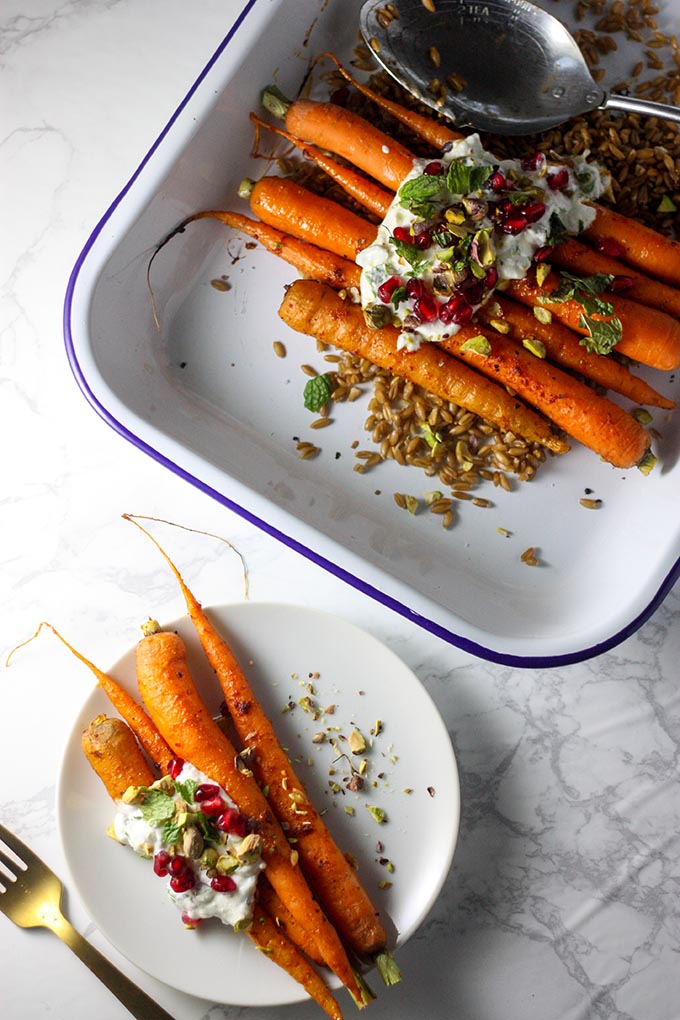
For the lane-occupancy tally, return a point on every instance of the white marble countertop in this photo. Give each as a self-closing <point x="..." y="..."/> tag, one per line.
<point x="564" y="898"/>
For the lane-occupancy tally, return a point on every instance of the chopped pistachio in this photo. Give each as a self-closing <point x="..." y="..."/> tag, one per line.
<point x="432" y="497"/>
<point x="226" y="864"/>
<point x="249" y="846"/>
<point x="543" y="315"/>
<point x="349" y="810"/>
<point x="543" y="270"/>
<point x="377" y="813"/>
<point x="357" y="742"/>
<point x="384" y="884"/>
<point x="500" y="325"/>
<point x="244" y="924"/>
<point x="535" y="346"/>
<point x="666" y="205"/>
<point x="192" y="843"/>
<point x="131" y="795"/>
<point x="642" y="415"/>
<point x="646" y="465"/>
<point x="478" y="345"/>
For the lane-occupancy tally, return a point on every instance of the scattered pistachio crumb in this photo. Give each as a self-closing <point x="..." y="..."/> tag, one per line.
<point x="349" y="810"/>
<point x="377" y="813"/>
<point x="384" y="884"/>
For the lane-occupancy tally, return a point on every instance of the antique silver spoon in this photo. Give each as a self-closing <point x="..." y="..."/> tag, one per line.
<point x="505" y="66"/>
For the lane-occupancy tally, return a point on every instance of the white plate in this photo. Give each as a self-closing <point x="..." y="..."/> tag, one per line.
<point x="279" y="646"/>
<point x="208" y="399"/>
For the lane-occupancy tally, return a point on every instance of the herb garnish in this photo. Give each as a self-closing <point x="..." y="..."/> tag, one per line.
<point x="602" y="336"/>
<point x="317" y="392"/>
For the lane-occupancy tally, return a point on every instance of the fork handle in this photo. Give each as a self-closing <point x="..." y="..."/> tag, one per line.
<point x="133" y="998"/>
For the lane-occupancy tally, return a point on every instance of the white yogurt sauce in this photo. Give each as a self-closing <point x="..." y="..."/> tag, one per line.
<point x="132" y="829"/>
<point x="511" y="255"/>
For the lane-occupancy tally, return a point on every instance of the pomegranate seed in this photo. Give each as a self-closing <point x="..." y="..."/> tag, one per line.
<point x="472" y="290"/>
<point x="456" y="310"/>
<point x="558" y="180"/>
<point x="177" y="865"/>
<point x="205" y="791"/>
<point x="426" y="308"/>
<point x="496" y="181"/>
<point x="403" y="234"/>
<point x="491" y="278"/>
<point x="433" y="169"/>
<point x="608" y="246"/>
<point x="191" y="922"/>
<point x="423" y="239"/>
<point x="212" y="806"/>
<point x="506" y="206"/>
<point x="175" y="766"/>
<point x="620" y="283"/>
<point x="222" y="883"/>
<point x="534" y="162"/>
<point x="534" y="211"/>
<point x="543" y="253"/>
<point x="233" y="821"/>
<point x="160" y="863"/>
<point x="183" y="882"/>
<point x="415" y="288"/>
<point x="387" y="288"/>
<point x="514" y="223"/>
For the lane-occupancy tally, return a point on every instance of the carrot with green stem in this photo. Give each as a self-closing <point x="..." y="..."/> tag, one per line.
<point x="565" y="348"/>
<point x="337" y="129"/>
<point x="354" y="138"/>
<point x="334" y="882"/>
<point x="112" y="750"/>
<point x="363" y="190"/>
<point x="311" y="308"/>
<point x="175" y="706"/>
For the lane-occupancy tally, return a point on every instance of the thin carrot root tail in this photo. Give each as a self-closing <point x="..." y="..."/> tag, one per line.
<point x="387" y="968"/>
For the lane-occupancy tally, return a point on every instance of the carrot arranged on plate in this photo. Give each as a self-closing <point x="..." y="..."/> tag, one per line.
<point x="333" y="880"/>
<point x="174" y="704"/>
<point x="117" y="759"/>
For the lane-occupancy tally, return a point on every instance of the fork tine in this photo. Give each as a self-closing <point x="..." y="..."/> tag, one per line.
<point x="10" y="866"/>
<point x="18" y="848"/>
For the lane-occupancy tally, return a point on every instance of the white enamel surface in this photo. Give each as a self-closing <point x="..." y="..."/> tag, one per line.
<point x="207" y="395"/>
<point x="562" y="903"/>
<point x="279" y="647"/>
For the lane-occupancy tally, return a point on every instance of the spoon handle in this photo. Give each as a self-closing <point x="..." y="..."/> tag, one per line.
<point x="645" y="106"/>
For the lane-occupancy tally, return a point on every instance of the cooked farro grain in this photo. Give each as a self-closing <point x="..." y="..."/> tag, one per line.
<point x="279" y="349"/>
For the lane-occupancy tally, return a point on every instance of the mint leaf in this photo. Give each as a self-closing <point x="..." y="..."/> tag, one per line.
<point x="462" y="179"/>
<point x="603" y="336"/>
<point x="187" y="790"/>
<point x="418" y="194"/>
<point x="317" y="392"/>
<point x="411" y="253"/>
<point x="558" y="231"/>
<point x="157" y="807"/>
<point x="171" y="833"/>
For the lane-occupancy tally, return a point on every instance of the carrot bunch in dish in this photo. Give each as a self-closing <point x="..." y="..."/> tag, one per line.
<point x="310" y="906"/>
<point x="542" y="396"/>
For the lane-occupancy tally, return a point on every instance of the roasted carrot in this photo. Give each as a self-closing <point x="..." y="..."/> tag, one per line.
<point x="640" y="246"/>
<point x="334" y="882"/>
<point x="596" y="422"/>
<point x="584" y="260"/>
<point x="311" y="308"/>
<point x="357" y="186"/>
<point x="133" y="713"/>
<point x="648" y="335"/>
<point x="279" y="912"/>
<point x="432" y="131"/>
<point x="565" y="348"/>
<point x="280" y="203"/>
<point x="271" y="940"/>
<point x="112" y="750"/>
<point x="114" y="754"/>
<point x="174" y="704"/>
<point x="337" y="129"/>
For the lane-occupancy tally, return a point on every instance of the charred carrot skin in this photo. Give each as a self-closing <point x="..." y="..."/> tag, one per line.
<point x="598" y="423"/>
<point x="172" y="700"/>
<point x="565" y="348"/>
<point x="311" y="308"/>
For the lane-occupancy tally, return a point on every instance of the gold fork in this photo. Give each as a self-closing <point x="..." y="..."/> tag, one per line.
<point x="30" y="895"/>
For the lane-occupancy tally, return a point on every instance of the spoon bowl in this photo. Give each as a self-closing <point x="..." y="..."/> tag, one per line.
<point x="505" y="66"/>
